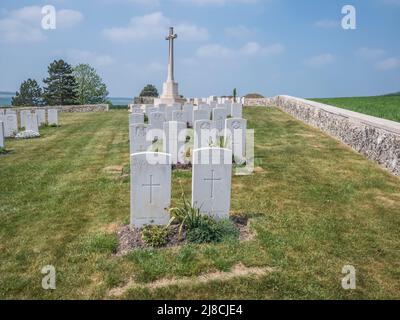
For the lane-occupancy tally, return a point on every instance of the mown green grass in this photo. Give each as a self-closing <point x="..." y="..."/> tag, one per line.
<point x="387" y="107"/>
<point x="317" y="207"/>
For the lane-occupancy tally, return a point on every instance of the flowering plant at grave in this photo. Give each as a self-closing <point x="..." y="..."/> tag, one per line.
<point x="28" y="134"/>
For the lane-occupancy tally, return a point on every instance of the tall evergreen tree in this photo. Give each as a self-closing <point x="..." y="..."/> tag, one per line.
<point x="30" y="94"/>
<point x="149" y="91"/>
<point x="61" y="87"/>
<point x="91" y="88"/>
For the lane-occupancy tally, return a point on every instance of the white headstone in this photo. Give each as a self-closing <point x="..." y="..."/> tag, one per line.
<point x="138" y="138"/>
<point x="226" y="107"/>
<point x="174" y="141"/>
<point x="206" y="107"/>
<point x="177" y="106"/>
<point x="236" y="110"/>
<point x="169" y="110"/>
<point x="162" y="108"/>
<point x="200" y="115"/>
<point x="52" y="117"/>
<point x="1" y="112"/>
<point x="41" y="115"/>
<point x="11" y="111"/>
<point x="235" y="137"/>
<point x="211" y="182"/>
<point x="10" y="124"/>
<point x="188" y="110"/>
<point x="150" y="188"/>
<point x="156" y="125"/>
<point x="178" y="116"/>
<point x="32" y="122"/>
<point x="136" y="109"/>
<point x="219" y="117"/>
<point x="150" y="109"/>
<point x="156" y="120"/>
<point x="205" y="134"/>
<point x="22" y="116"/>
<point x="1" y="133"/>
<point x="136" y="118"/>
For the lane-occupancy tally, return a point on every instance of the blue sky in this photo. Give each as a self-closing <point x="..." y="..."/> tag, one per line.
<point x="295" y="47"/>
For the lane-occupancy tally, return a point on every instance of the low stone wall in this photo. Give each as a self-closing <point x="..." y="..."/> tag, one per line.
<point x="377" y="139"/>
<point x="71" y="109"/>
<point x="259" y="102"/>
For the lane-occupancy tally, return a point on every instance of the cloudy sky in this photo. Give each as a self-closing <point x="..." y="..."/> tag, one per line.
<point x="295" y="47"/>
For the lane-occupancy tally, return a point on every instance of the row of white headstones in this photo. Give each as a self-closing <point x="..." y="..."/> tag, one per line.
<point x="30" y="120"/>
<point x="211" y="163"/>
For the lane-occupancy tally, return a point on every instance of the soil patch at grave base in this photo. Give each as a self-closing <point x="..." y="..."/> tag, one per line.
<point x="130" y="238"/>
<point x="182" y="166"/>
<point x="237" y="271"/>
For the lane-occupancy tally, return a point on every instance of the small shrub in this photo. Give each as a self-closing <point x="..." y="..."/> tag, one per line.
<point x="200" y="228"/>
<point x="155" y="236"/>
<point x="212" y="231"/>
<point x="3" y="150"/>
<point x="206" y="232"/>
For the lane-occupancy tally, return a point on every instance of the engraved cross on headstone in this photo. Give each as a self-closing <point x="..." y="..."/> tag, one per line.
<point x="212" y="179"/>
<point x="151" y="185"/>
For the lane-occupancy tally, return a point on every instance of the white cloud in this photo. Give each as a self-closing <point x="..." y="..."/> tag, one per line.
<point x="68" y="18"/>
<point x="250" y="49"/>
<point x="154" y="26"/>
<point x="92" y="58"/>
<point x="327" y="24"/>
<point x="238" y="32"/>
<point x="388" y="64"/>
<point x="24" y="24"/>
<point x="320" y="60"/>
<point x="370" y="53"/>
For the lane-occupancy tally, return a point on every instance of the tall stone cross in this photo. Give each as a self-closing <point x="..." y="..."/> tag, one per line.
<point x="171" y="37"/>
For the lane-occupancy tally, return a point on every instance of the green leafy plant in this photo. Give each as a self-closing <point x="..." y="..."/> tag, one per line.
<point x="185" y="215"/>
<point x="210" y="230"/>
<point x="155" y="236"/>
<point x="3" y="150"/>
<point x="200" y="228"/>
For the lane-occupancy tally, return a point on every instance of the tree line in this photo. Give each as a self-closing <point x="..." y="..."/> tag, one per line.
<point x="65" y="85"/>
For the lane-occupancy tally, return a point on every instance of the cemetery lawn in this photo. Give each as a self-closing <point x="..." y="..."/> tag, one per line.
<point x="315" y="207"/>
<point x="387" y="107"/>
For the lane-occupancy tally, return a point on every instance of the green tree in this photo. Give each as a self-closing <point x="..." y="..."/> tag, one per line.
<point x="91" y="88"/>
<point x="149" y="91"/>
<point x="30" y="94"/>
<point x="234" y="95"/>
<point x="61" y="87"/>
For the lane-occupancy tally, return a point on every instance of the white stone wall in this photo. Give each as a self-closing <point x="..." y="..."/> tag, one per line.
<point x="70" y="109"/>
<point x="377" y="139"/>
<point x="259" y="102"/>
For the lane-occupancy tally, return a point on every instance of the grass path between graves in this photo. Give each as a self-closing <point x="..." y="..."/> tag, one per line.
<point x="316" y="207"/>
